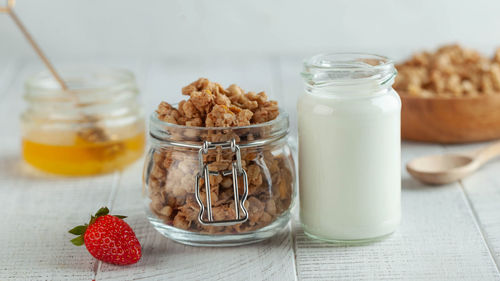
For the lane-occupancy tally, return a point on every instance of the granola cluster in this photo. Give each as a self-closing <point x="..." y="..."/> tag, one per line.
<point x="269" y="168"/>
<point x="451" y="71"/>
<point x="210" y="105"/>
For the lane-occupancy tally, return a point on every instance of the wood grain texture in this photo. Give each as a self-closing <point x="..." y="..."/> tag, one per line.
<point x="450" y="120"/>
<point x="37" y="211"/>
<point x="441" y="236"/>
<point x="482" y="190"/>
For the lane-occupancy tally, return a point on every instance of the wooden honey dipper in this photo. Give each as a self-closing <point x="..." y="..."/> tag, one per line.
<point x="93" y="134"/>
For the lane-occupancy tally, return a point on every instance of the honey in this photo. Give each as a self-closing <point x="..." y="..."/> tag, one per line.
<point x="76" y="156"/>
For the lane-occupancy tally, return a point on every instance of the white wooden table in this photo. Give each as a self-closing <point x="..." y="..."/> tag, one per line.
<point x="447" y="233"/>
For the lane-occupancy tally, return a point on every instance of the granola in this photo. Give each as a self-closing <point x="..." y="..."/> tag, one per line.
<point x="269" y="168"/>
<point x="451" y="71"/>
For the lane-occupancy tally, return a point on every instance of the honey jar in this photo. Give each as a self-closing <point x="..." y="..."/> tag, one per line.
<point x="97" y="126"/>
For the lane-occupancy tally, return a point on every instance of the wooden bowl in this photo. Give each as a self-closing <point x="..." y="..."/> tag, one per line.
<point x="450" y="120"/>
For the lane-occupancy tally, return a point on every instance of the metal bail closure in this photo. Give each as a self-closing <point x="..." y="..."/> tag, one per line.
<point x="236" y="171"/>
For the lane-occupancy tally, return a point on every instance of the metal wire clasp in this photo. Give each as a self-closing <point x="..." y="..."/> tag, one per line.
<point x="236" y="171"/>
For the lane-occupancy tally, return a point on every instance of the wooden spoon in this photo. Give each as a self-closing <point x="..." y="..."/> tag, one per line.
<point x="93" y="133"/>
<point x="442" y="169"/>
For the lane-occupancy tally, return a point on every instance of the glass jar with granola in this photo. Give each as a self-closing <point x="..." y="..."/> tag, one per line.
<point x="225" y="147"/>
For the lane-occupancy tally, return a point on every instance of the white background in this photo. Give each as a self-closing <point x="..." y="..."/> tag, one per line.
<point x="69" y="29"/>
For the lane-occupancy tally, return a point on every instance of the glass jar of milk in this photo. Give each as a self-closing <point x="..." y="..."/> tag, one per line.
<point x="349" y="148"/>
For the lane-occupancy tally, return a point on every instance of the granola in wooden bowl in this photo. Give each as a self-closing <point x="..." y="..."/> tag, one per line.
<point x="451" y="95"/>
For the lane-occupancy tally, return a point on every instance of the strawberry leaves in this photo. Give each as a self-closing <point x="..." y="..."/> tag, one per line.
<point x="78" y="241"/>
<point x="80" y="230"/>
<point x="102" y="212"/>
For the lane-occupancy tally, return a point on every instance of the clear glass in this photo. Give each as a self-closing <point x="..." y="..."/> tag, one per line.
<point x="97" y="126"/>
<point x="350" y="177"/>
<point x="170" y="177"/>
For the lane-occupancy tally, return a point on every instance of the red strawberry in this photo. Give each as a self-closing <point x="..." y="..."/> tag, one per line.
<point x="108" y="238"/>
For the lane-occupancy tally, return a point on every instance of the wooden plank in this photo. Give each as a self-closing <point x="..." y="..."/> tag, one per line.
<point x="482" y="190"/>
<point x="37" y="211"/>
<point x="164" y="259"/>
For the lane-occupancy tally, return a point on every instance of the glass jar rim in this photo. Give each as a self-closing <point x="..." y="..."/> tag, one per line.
<point x="348" y="69"/>
<point x="275" y="129"/>
<point x="87" y="82"/>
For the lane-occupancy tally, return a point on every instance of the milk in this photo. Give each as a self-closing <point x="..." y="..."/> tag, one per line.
<point x="349" y="162"/>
